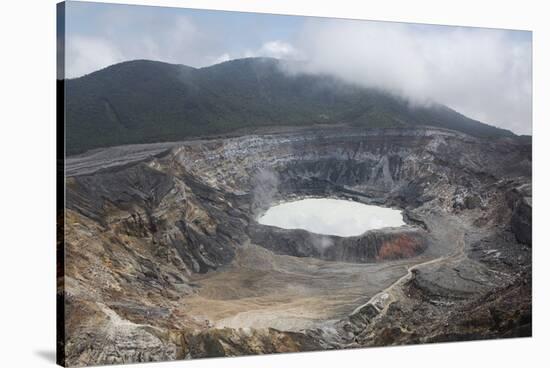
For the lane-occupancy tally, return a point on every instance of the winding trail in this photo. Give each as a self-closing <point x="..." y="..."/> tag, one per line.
<point x="382" y="300"/>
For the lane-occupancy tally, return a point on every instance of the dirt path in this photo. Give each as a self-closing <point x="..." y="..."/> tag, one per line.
<point x="383" y="299"/>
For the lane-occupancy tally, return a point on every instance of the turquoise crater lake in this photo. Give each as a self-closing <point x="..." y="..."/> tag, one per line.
<point x="330" y="216"/>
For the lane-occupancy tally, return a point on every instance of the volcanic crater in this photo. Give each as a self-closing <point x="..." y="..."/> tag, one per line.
<point x="164" y="249"/>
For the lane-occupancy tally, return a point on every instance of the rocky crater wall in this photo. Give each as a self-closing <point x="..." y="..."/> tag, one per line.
<point x="372" y="246"/>
<point x="201" y="197"/>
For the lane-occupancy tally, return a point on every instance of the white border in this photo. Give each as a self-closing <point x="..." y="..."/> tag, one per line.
<point x="27" y="313"/>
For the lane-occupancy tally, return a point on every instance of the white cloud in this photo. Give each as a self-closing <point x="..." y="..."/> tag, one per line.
<point x="483" y="73"/>
<point x="175" y="40"/>
<point x="87" y="54"/>
<point x="222" y="58"/>
<point x="278" y="49"/>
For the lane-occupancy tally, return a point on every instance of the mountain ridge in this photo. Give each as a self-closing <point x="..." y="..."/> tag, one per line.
<point x="145" y="101"/>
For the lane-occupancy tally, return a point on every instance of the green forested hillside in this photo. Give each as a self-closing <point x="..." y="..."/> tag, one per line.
<point x="147" y="101"/>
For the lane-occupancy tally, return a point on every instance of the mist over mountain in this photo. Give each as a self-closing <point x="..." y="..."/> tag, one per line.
<point x="146" y="101"/>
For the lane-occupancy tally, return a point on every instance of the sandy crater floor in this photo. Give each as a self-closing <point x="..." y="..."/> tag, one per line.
<point x="262" y="289"/>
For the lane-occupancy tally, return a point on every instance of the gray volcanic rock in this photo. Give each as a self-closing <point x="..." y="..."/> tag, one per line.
<point x="163" y="250"/>
<point x="372" y="246"/>
<point x="521" y="203"/>
<point x="230" y="342"/>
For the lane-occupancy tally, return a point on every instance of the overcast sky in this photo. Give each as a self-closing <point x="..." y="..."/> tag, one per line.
<point x="482" y="73"/>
